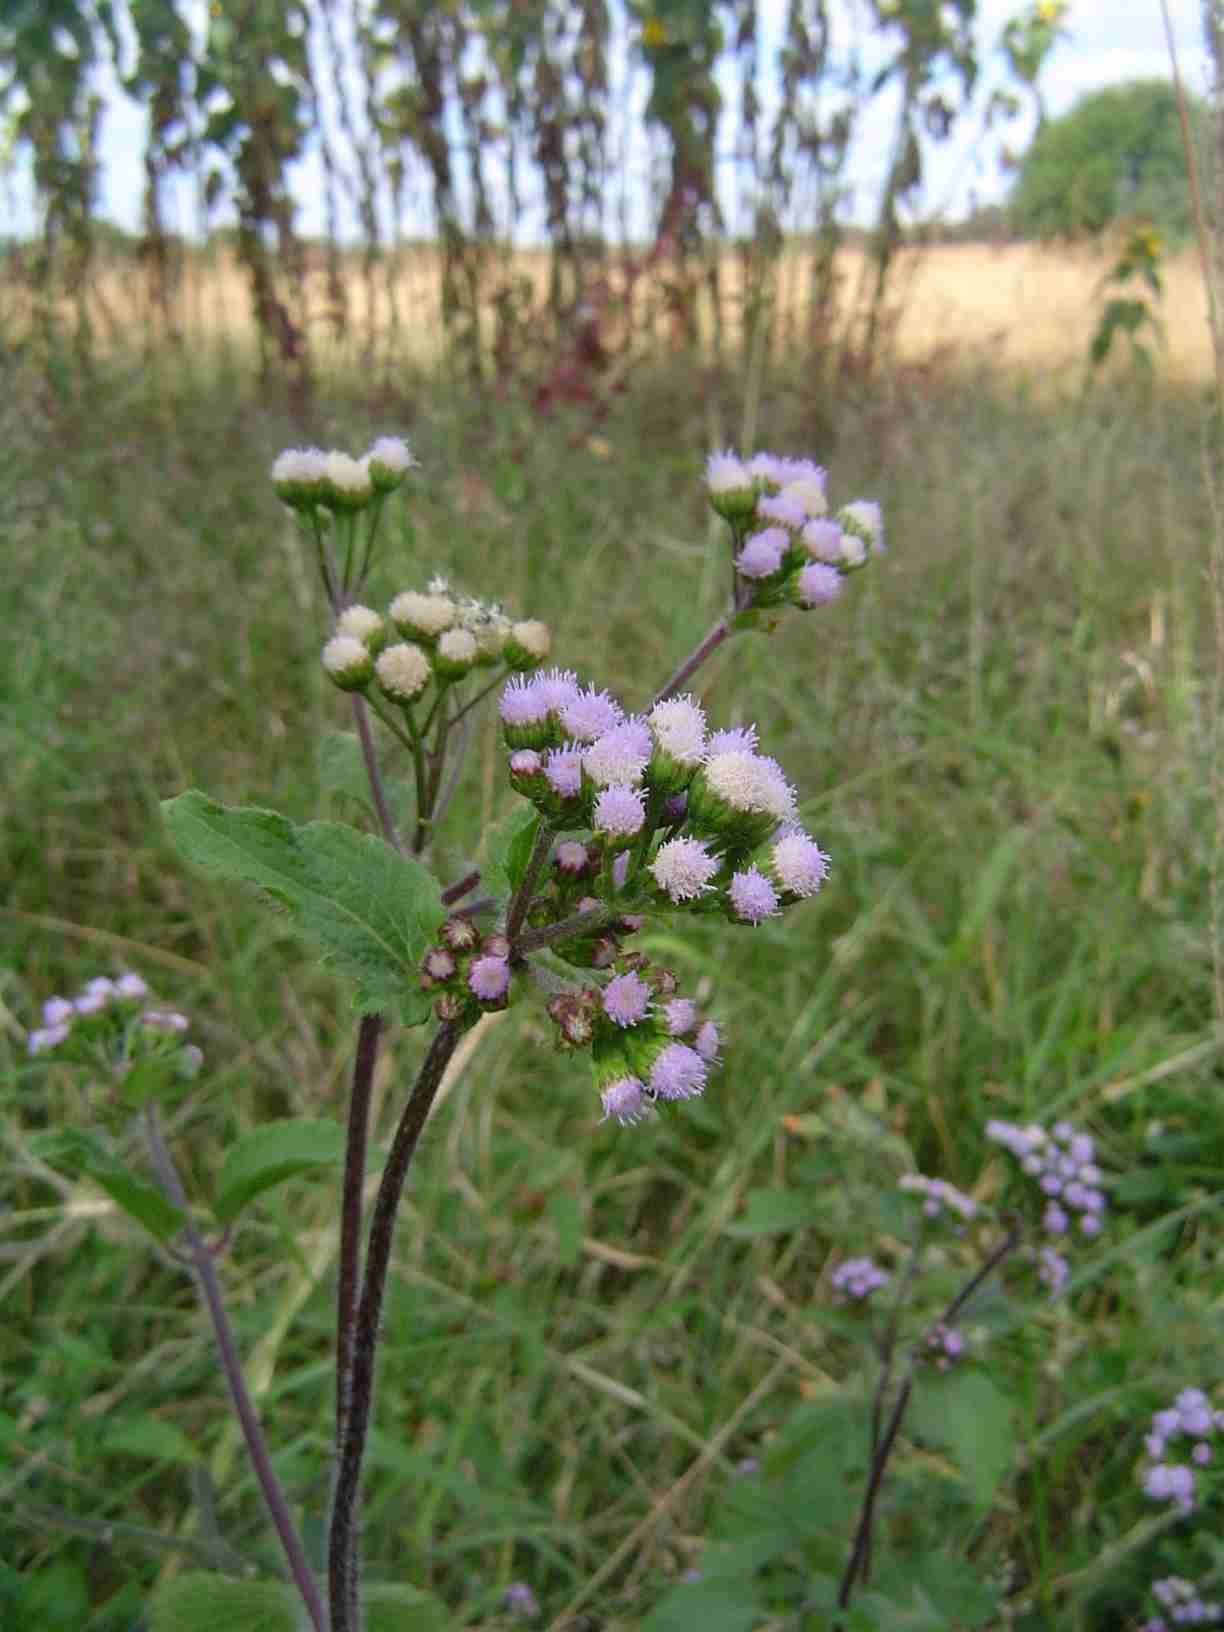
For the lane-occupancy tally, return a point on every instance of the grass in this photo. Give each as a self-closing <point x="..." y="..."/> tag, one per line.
<point x="1001" y="734"/>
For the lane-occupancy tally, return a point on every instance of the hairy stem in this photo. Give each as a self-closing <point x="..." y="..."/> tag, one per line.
<point x="343" y="1563"/>
<point x="257" y="1449"/>
<point x="522" y="899"/>
<point x="578" y="923"/>
<point x="461" y="887"/>
<point x="369" y="1032"/>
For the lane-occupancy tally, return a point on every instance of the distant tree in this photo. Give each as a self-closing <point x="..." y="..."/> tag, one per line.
<point x="1117" y="155"/>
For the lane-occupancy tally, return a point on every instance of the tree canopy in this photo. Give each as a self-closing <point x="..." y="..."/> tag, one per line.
<point x="1118" y="154"/>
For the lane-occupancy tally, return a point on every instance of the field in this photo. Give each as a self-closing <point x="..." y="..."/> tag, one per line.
<point x="598" y="1338"/>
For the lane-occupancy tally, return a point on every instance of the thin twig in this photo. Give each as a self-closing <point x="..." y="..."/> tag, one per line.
<point x="461" y="887"/>
<point x="709" y="643"/>
<point x="343" y="1560"/>
<point x="231" y="1365"/>
<point x="378" y="791"/>
<point x="348" y="1284"/>
<point x="526" y="890"/>
<point x="578" y="923"/>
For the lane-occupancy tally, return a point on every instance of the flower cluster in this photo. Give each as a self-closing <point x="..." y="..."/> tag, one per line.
<point x="647" y="1044"/>
<point x="788" y="549"/>
<point x="1173" y="1468"/>
<point x="938" y="1196"/>
<point x="858" y="1278"/>
<point x="432" y="636"/>
<point x="1182" y="1604"/>
<point x="677" y="816"/>
<point x="111" y="1023"/>
<point x="469" y="972"/>
<point x="1063" y="1162"/>
<point x="310" y="478"/>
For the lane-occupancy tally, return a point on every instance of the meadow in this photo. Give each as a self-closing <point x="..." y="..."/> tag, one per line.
<point x="597" y="1335"/>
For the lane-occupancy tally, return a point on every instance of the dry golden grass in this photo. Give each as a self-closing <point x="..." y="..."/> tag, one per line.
<point x="1024" y="307"/>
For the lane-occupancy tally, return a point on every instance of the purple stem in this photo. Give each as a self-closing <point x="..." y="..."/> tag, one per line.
<point x="231" y="1365"/>
<point x="369" y="1033"/>
<point x="343" y="1563"/>
<point x="378" y="791"/>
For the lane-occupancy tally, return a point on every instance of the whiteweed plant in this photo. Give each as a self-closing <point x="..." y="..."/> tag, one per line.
<point x="624" y="813"/>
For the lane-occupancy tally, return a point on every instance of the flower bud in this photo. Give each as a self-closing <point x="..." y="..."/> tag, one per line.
<point x="459" y="934"/>
<point x="731" y="488"/>
<point x="389" y="461"/>
<point x="422" y="617"/>
<point x="364" y="624"/>
<point x="456" y="654"/>
<point x="527" y="644"/>
<point x="346" y="482"/>
<point x="297" y="476"/>
<point x="863" y="522"/>
<point x="348" y="663"/>
<point x="403" y="672"/>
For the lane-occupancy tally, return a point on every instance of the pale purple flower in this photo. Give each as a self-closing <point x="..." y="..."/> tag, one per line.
<point x="799" y="863"/>
<point x="683" y="868"/>
<point x="752" y="896"/>
<point x="556" y="688"/>
<point x="624" y="1100"/>
<point x="620" y="755"/>
<point x="679" y="1072"/>
<point x="740" y="739"/>
<point x="750" y="783"/>
<point x="858" y="1278"/>
<point x="1054" y="1221"/>
<point x="1089" y="1224"/>
<point x="169" y="1020"/>
<point x="938" y="1194"/>
<point x="520" y="1600"/>
<point x="572" y="857"/>
<point x="131" y="986"/>
<point x="626" y="999"/>
<point x="784" y="509"/>
<point x="679" y="726"/>
<point x="57" y="1011"/>
<point x="762" y="554"/>
<point x="47" y="1037"/>
<point x="769" y="467"/>
<point x="439" y="963"/>
<point x="489" y="978"/>
<point x="522" y="701"/>
<point x="620" y="870"/>
<point x="818" y="584"/>
<point x="707" y="1042"/>
<point x="95" y="997"/>
<point x="525" y="762"/>
<point x="619" y="812"/>
<point x="725" y="473"/>
<point x="822" y="540"/>
<point x="563" y="768"/>
<point x="1201" y="1454"/>
<point x="1053" y="1269"/>
<point x="681" y="1015"/>
<point x="589" y="714"/>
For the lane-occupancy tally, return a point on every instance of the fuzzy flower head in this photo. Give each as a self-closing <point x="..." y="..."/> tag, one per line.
<point x="590" y="714"/>
<point x="787" y="513"/>
<point x="619" y="812"/>
<point x="363" y="624"/>
<point x="346" y="482"/>
<point x="456" y="652"/>
<point x="683" y="868"/>
<point x="938" y="1196"/>
<point x="557" y="687"/>
<point x="864" y="520"/>
<point x="741" y="795"/>
<point x="403" y="671"/>
<point x="348" y="662"/>
<point x="808" y="491"/>
<point x="823" y="541"/>
<point x="527" y="644"/>
<point x="818" y="584"/>
<point x="619" y="755"/>
<point x="489" y="978"/>
<point x="752" y="897"/>
<point x="707" y="1042"/>
<point x="678" y="725"/>
<point x="730" y="486"/>
<point x="858" y="1278"/>
<point x="423" y="616"/>
<point x="297" y="476"/>
<point x="624" y="1099"/>
<point x="680" y="1015"/>
<point x="389" y="461"/>
<point x="626" y="999"/>
<point x="521" y="703"/>
<point x="799" y="864"/>
<point x="563" y="768"/>
<point x="572" y="858"/>
<point x="762" y="555"/>
<point x="740" y="739"/>
<point x="678" y="1072"/>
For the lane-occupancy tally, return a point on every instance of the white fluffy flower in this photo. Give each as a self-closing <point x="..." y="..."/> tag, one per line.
<point x="458" y="646"/>
<point x="423" y="614"/>
<point x="865" y="518"/>
<point x="403" y="671"/>
<point x="800" y="864"/>
<point x="809" y="492"/>
<point x="348" y="478"/>
<point x="726" y="474"/>
<point x="750" y="782"/>
<point x="392" y="454"/>
<point x="533" y="637"/>
<point x="679" y="727"/>
<point x="299" y="466"/>
<point x="347" y="661"/>
<point x="684" y="868"/>
<point x="361" y="622"/>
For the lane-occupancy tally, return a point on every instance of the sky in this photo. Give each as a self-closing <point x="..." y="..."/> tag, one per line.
<point x="1109" y="41"/>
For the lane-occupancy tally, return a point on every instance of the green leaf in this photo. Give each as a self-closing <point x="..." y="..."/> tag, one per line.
<point x="269" y="1155"/>
<point x="198" y="1602"/>
<point x="372" y="911"/>
<point x="967" y="1411"/>
<point x="152" y="1439"/>
<point x="393" y="1608"/>
<point x="508" y="850"/>
<point x="714" y="1606"/>
<point x="773" y="1212"/>
<point x="80" y="1152"/>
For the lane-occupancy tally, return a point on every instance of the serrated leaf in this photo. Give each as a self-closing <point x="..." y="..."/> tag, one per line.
<point x="508" y="849"/>
<point x="269" y="1155"/>
<point x="773" y="1212"/>
<point x="371" y="911"/>
<point x="80" y="1152"/>
<point x="199" y="1602"/>
<point x="152" y="1439"/>
<point x="968" y="1412"/>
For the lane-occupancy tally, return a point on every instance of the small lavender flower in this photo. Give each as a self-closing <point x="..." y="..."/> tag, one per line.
<point x="683" y="868"/>
<point x="799" y="864"/>
<point x="572" y="858"/>
<point x="818" y="584"/>
<point x="681" y="1016"/>
<point x="525" y="762"/>
<point x="489" y="978"/>
<point x="57" y="1011"/>
<point x="740" y="739"/>
<point x="762" y="555"/>
<point x="619" y="755"/>
<point x="563" y="769"/>
<point x="858" y="1278"/>
<point x="679" y="1072"/>
<point x="168" y="1020"/>
<point x="624" y="1099"/>
<point x="707" y="1042"/>
<point x="1053" y="1269"/>
<point x="439" y="963"/>
<point x="946" y="1343"/>
<point x="589" y="714"/>
<point x="131" y="987"/>
<point x="750" y="783"/>
<point x="679" y="727"/>
<point x="626" y="999"/>
<point x="46" y="1038"/>
<point x="523" y="702"/>
<point x="753" y="898"/>
<point x="822" y="540"/>
<point x="521" y="1601"/>
<point x="556" y="687"/>
<point x="808" y="489"/>
<point x="726" y="473"/>
<point x="784" y="509"/>
<point x="938" y="1194"/>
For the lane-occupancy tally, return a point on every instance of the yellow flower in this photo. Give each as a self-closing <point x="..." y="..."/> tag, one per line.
<point x="653" y="34"/>
<point x="1049" y="11"/>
